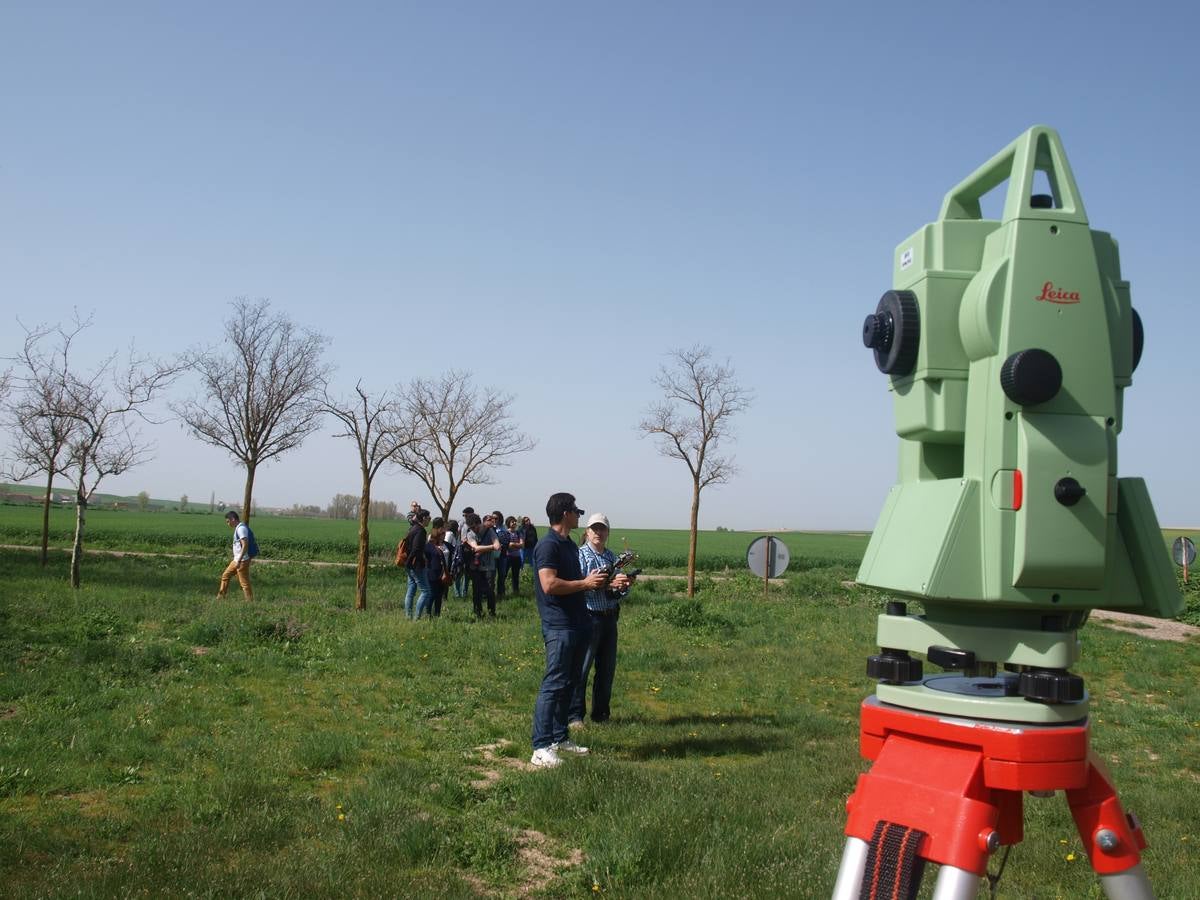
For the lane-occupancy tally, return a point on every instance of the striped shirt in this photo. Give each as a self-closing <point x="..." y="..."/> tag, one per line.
<point x="590" y="561"/>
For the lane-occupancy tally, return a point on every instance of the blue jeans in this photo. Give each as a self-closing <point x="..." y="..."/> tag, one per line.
<point x="461" y="581"/>
<point x="417" y="578"/>
<point x="565" y="648"/>
<point x="602" y="653"/>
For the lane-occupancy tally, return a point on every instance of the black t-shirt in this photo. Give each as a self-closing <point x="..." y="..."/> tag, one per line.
<point x="559" y="553"/>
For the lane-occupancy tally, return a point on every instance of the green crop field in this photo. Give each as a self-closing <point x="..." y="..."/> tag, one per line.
<point x="336" y="540"/>
<point x="154" y="742"/>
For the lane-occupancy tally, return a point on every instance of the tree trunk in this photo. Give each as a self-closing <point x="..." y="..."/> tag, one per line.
<point x="246" y="498"/>
<point x="46" y="518"/>
<point x="364" y="543"/>
<point x="692" y="540"/>
<point x="77" y="547"/>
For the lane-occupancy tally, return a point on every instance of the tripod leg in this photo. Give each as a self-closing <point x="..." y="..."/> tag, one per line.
<point x="1112" y="839"/>
<point x="850" y="873"/>
<point x="1132" y="884"/>
<point x="955" y="884"/>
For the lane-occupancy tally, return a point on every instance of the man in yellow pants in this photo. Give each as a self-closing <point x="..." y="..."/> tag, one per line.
<point x="241" y="557"/>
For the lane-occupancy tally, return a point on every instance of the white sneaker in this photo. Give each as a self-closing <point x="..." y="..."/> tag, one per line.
<point x="569" y="747"/>
<point x="545" y="758"/>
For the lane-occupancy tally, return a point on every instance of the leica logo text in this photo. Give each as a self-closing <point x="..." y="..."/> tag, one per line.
<point x="1051" y="294"/>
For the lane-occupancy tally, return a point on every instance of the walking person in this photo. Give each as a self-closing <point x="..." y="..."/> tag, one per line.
<point x="604" y="611"/>
<point x="243" y="542"/>
<point x="418" y="581"/>
<point x="559" y="585"/>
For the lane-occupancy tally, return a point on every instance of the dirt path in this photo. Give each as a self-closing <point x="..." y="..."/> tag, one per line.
<point x="137" y="554"/>
<point x="1158" y="629"/>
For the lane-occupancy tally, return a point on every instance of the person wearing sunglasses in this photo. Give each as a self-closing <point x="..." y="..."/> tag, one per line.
<point x="560" y="586"/>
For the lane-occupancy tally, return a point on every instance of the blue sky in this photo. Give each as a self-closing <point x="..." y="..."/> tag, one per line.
<point x="554" y="195"/>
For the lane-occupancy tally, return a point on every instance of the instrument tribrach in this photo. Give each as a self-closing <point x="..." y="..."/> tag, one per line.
<point x="1009" y="345"/>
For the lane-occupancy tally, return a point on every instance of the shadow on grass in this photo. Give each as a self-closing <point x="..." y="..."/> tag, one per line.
<point x="767" y="720"/>
<point x="733" y="745"/>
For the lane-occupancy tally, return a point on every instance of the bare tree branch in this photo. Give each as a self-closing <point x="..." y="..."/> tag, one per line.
<point x="83" y="422"/>
<point x="41" y="431"/>
<point x="263" y="396"/>
<point x="380" y="432"/>
<point x="462" y="434"/>
<point x="700" y="398"/>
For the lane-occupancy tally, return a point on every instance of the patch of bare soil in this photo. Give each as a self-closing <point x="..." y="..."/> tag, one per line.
<point x="1158" y="629"/>
<point x="489" y="772"/>
<point x="542" y="866"/>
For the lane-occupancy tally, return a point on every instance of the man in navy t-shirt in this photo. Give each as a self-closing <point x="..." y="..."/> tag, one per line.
<point x="560" y="586"/>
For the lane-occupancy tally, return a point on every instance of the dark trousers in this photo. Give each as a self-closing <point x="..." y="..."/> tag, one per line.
<point x="564" y="656"/>
<point x="501" y="572"/>
<point x="481" y="586"/>
<point x="602" y="654"/>
<point x="438" y="591"/>
<point x="514" y="571"/>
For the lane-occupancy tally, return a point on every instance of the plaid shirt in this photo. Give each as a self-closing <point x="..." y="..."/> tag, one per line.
<point x="590" y="561"/>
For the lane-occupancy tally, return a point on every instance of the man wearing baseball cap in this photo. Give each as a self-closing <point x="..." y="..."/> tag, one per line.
<point x="604" y="609"/>
<point x="559" y="588"/>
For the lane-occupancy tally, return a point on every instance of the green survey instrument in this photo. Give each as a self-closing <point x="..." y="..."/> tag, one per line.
<point x="1008" y="345"/>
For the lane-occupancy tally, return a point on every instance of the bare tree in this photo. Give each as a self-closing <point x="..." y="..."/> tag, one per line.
<point x="463" y="433"/>
<point x="380" y="434"/>
<point x="104" y="405"/>
<point x="700" y="397"/>
<point x="35" y="415"/>
<point x="262" y="397"/>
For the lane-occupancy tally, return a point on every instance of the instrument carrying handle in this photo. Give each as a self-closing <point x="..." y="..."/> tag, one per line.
<point x="1038" y="149"/>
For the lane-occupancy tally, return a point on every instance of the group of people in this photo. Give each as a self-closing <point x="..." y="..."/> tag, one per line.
<point x="578" y="590"/>
<point x="485" y="553"/>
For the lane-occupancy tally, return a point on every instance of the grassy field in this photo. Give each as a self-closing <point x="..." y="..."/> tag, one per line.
<point x="336" y="540"/>
<point x="155" y="742"/>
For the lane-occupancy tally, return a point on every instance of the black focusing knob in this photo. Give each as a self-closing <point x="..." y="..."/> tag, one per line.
<point x="893" y="331"/>
<point x="877" y="332"/>
<point x="1031" y="376"/>
<point x="951" y="657"/>
<point x="1068" y="491"/>
<point x="1050" y="686"/>
<point x="1139" y="339"/>
<point x="1041" y="201"/>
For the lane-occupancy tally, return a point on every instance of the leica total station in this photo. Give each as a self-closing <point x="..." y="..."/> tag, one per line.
<point x="1008" y="345"/>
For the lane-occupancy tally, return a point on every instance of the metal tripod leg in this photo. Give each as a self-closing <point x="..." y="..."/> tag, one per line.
<point x="850" y="873"/>
<point x="955" y="884"/>
<point x="1132" y="884"/>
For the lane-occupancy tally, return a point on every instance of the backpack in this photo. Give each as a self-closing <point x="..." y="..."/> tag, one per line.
<point x="251" y="544"/>
<point x="463" y="558"/>
<point x="402" y="550"/>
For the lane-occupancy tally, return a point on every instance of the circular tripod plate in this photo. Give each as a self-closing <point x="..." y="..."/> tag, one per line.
<point x="1000" y="686"/>
<point x="926" y="698"/>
